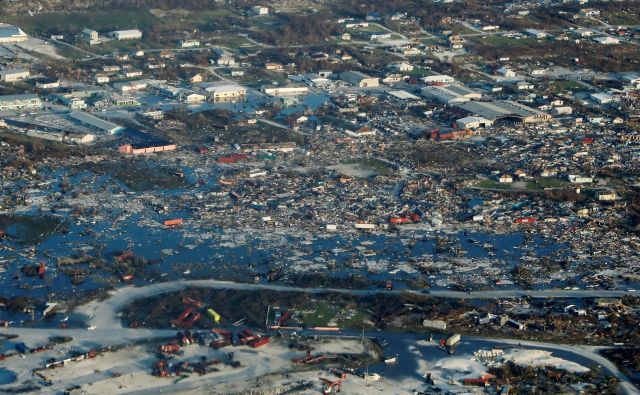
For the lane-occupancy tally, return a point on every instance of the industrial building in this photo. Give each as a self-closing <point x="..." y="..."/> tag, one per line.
<point x="126" y="35"/>
<point x="450" y="94"/>
<point x="11" y="34"/>
<point x="12" y="75"/>
<point x="505" y="110"/>
<point x="359" y="79"/>
<point x="285" y="90"/>
<point x="94" y="122"/>
<point x="50" y="131"/>
<point x="135" y="149"/>
<point x="226" y="91"/>
<point x="189" y="43"/>
<point x="20" y="102"/>
<point x="473" y="122"/>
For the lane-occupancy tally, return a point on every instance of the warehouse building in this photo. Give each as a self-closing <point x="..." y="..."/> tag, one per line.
<point x="473" y="122"/>
<point x="95" y="123"/>
<point x="20" y="102"/>
<point x="450" y="94"/>
<point x="12" y="75"/>
<point x="11" y="34"/>
<point x="126" y="35"/>
<point x="226" y="91"/>
<point x="359" y="79"/>
<point x="285" y="90"/>
<point x="505" y="110"/>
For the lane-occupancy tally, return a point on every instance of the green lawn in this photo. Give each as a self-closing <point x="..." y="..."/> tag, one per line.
<point x="563" y="85"/>
<point x="320" y="316"/>
<point x="550" y="182"/>
<point x="492" y="184"/>
<point x="461" y="29"/>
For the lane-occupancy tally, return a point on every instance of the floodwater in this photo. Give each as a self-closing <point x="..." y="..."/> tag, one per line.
<point x="7" y="376"/>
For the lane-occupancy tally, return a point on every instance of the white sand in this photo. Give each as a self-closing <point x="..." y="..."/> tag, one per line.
<point x="539" y="358"/>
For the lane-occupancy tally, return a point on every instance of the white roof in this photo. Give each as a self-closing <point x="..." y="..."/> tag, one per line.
<point x="403" y="95"/>
<point x="8" y="31"/>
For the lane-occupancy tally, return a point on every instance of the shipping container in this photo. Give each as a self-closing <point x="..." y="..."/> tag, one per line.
<point x="525" y="220"/>
<point x="173" y="222"/>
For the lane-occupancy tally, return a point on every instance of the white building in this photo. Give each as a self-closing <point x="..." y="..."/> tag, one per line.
<point x="438" y="79"/>
<point x="285" y="90"/>
<point x="20" y="102"/>
<point x="11" y="34"/>
<point x="90" y="36"/>
<point x="120" y="35"/>
<point x="536" y="33"/>
<point x="578" y="179"/>
<point x="359" y="79"/>
<point x="12" y="75"/>
<point x="473" y="122"/>
<point x="226" y="92"/>
<point x="189" y="43"/>
<point x="606" y="40"/>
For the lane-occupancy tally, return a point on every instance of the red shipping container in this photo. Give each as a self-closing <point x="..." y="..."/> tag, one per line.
<point x="185" y="314"/>
<point x="261" y="342"/>
<point x="173" y="222"/>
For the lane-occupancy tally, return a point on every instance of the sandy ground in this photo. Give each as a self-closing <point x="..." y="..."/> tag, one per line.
<point x="266" y="366"/>
<point x="41" y="47"/>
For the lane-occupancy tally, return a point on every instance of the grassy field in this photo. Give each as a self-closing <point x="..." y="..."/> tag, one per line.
<point x="563" y="85"/>
<point x="492" y="184"/>
<point x="502" y="41"/>
<point x="461" y="29"/>
<point x="621" y="17"/>
<point x="550" y="182"/>
<point x="74" y="22"/>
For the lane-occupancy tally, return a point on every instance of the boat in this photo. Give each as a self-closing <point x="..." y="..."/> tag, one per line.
<point x="391" y="361"/>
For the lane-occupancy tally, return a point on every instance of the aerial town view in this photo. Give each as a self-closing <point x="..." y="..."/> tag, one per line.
<point x="320" y="196"/>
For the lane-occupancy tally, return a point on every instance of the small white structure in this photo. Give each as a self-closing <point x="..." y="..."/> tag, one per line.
<point x="260" y="10"/>
<point x="506" y="72"/>
<point x="120" y="35"/>
<point x="189" y="43"/>
<point x="578" y="179"/>
<point x="473" y="122"/>
<point x="438" y="79"/>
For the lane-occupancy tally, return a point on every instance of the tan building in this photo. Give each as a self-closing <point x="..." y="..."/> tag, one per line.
<point x="12" y="75"/>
